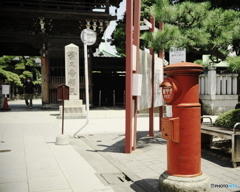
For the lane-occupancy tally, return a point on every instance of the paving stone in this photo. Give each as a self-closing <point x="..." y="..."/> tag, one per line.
<point x="230" y="174"/>
<point x="13" y="173"/>
<point x="47" y="180"/>
<point x="144" y="168"/>
<point x="147" y="163"/>
<point x="31" y="136"/>
<point x="148" y="174"/>
<point x="14" y="187"/>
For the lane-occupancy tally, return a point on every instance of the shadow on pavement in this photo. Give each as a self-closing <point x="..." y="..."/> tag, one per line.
<point x="102" y="143"/>
<point x="143" y="140"/>
<point x="145" y="185"/>
<point x="215" y="158"/>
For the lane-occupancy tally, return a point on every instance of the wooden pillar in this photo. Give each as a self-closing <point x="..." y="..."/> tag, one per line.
<point x="132" y="37"/>
<point x="128" y="87"/>
<point x="161" y="55"/>
<point x="45" y="78"/>
<point x="136" y="42"/>
<point x="151" y="109"/>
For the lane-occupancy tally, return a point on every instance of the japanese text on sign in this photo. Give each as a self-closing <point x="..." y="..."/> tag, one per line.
<point x="167" y="93"/>
<point x="177" y="55"/>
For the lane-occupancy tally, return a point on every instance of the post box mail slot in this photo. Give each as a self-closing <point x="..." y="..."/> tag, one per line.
<point x="63" y="93"/>
<point x="170" y="129"/>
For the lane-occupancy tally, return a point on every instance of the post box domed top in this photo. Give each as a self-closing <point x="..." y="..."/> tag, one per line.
<point x="183" y="68"/>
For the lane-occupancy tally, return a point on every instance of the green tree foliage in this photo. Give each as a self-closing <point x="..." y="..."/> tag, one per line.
<point x="230" y="4"/>
<point x="234" y="63"/>
<point x="118" y="37"/>
<point x="146" y="8"/>
<point x="228" y="119"/>
<point x="199" y="26"/>
<point x="16" y="69"/>
<point x="196" y="27"/>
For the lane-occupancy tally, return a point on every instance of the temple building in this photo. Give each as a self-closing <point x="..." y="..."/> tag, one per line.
<point x="44" y="27"/>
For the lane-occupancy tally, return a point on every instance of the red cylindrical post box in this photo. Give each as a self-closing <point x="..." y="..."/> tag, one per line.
<point x="182" y="128"/>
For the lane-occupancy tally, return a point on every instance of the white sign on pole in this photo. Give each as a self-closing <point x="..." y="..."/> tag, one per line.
<point x="134" y="59"/>
<point x="169" y="111"/>
<point x="177" y="55"/>
<point x="5" y="89"/>
<point x="90" y="36"/>
<point x="137" y="84"/>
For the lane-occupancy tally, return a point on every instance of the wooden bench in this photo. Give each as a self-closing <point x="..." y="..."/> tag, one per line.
<point x="208" y="131"/>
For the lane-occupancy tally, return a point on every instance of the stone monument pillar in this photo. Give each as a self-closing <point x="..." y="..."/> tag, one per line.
<point x="72" y="70"/>
<point x="73" y="107"/>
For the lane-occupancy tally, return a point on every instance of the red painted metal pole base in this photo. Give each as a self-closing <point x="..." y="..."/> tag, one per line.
<point x="169" y="183"/>
<point x="5" y="105"/>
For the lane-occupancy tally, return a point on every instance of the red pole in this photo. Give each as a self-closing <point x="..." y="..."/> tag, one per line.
<point x="161" y="55"/>
<point x="128" y="108"/>
<point x="151" y="110"/>
<point x="136" y="35"/>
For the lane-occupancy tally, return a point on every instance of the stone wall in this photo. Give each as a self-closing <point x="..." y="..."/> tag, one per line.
<point x="218" y="104"/>
<point x="218" y="92"/>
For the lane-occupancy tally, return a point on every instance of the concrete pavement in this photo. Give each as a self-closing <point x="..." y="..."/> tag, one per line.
<point x="30" y="161"/>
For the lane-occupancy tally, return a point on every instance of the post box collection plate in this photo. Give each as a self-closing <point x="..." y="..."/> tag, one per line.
<point x="171" y="129"/>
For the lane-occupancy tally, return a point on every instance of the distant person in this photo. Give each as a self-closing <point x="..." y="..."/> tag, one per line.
<point x="29" y="90"/>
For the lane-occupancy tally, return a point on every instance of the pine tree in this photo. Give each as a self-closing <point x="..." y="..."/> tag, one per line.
<point x="196" y="27"/>
<point x="15" y="69"/>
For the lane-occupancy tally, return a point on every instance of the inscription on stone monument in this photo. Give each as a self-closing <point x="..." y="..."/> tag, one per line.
<point x="72" y="70"/>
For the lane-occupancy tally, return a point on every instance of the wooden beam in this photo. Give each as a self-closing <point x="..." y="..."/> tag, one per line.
<point x="81" y="15"/>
